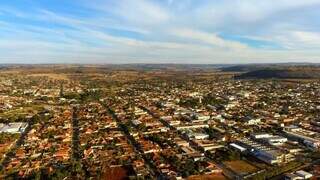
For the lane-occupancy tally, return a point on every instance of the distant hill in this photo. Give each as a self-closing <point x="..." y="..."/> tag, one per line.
<point x="106" y="67"/>
<point x="255" y="67"/>
<point x="282" y="73"/>
<point x="240" y="68"/>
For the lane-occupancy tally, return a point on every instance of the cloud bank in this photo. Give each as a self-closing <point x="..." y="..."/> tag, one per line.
<point x="159" y="31"/>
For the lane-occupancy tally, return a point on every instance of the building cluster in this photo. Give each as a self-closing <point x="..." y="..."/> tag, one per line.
<point x="103" y="144"/>
<point x="45" y="144"/>
<point x="103" y="126"/>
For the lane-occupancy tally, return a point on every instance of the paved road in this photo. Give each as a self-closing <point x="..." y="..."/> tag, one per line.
<point x="76" y="153"/>
<point x="182" y="136"/>
<point x="221" y="166"/>
<point x="137" y="146"/>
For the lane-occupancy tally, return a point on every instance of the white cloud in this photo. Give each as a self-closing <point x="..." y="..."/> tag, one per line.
<point x="208" y="38"/>
<point x="5" y="10"/>
<point x="136" y="12"/>
<point x="176" y="31"/>
<point x="293" y="39"/>
<point x="249" y="10"/>
<point x="307" y="37"/>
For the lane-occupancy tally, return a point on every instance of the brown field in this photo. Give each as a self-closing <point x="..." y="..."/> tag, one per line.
<point x="240" y="167"/>
<point x="51" y="76"/>
<point x="117" y="173"/>
<point x="207" y="177"/>
<point x="3" y="149"/>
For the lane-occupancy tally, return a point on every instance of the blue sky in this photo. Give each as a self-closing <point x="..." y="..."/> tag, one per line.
<point x="159" y="31"/>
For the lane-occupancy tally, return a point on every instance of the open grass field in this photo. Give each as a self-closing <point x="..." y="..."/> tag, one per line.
<point x="20" y="112"/>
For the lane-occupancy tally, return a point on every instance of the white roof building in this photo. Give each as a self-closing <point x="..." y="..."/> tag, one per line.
<point x="13" y="127"/>
<point x="304" y="174"/>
